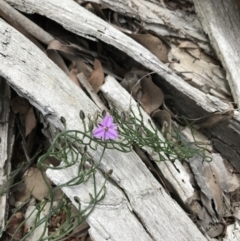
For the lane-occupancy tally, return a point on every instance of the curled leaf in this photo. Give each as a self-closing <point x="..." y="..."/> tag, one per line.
<point x="153" y="44"/>
<point x="152" y="96"/>
<point x="15" y="228"/>
<point x="36" y="183"/>
<point x="97" y="78"/>
<point x="163" y="119"/>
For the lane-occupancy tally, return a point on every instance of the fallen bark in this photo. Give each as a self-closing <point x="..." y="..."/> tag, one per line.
<point x="31" y="74"/>
<point x="6" y="143"/>
<point x="225" y="135"/>
<point x="222" y="27"/>
<point x="198" y="104"/>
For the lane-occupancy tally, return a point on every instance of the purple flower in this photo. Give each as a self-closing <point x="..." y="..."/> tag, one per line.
<point x="106" y="129"/>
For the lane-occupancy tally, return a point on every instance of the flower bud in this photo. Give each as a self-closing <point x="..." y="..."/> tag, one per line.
<point x="63" y="120"/>
<point x="76" y="199"/>
<point x="82" y="115"/>
<point x="104" y="113"/>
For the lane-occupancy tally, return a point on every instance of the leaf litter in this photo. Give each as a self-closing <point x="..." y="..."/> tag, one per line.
<point x="217" y="195"/>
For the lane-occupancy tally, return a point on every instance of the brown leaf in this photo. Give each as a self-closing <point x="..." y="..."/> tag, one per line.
<point x="215" y="118"/>
<point x="153" y="44"/>
<point x="131" y="84"/>
<point x="73" y="76"/>
<point x="14" y="226"/>
<point x="152" y="96"/>
<point x="30" y="122"/>
<point x="57" y="194"/>
<point x="36" y="184"/>
<point x="21" y="193"/>
<point x="163" y="118"/>
<point x="97" y="78"/>
<point x="82" y="67"/>
<point x="215" y="230"/>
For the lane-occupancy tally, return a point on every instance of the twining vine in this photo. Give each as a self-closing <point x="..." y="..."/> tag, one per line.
<point x="117" y="130"/>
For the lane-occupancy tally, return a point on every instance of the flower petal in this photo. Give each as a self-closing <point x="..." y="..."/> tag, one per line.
<point x="111" y="134"/>
<point x="104" y="137"/>
<point x="99" y="132"/>
<point x="113" y="126"/>
<point x="107" y="121"/>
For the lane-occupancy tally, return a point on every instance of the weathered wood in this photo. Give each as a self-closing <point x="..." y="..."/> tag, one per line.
<point x="155" y="17"/>
<point x="177" y="177"/>
<point x="225" y="135"/>
<point x="220" y="20"/>
<point x="6" y="144"/>
<point x="36" y="78"/>
<point x="188" y="100"/>
<point x="175" y="173"/>
<point x="69" y="14"/>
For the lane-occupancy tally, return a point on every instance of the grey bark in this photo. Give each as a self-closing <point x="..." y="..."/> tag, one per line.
<point x="136" y="207"/>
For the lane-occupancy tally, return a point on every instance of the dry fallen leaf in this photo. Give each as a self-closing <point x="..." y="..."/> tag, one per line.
<point x="14" y="228"/>
<point x="214" y="118"/>
<point x="163" y="118"/>
<point x="73" y="76"/>
<point x="82" y="67"/>
<point x="215" y="230"/>
<point x="36" y="184"/>
<point x="208" y="177"/>
<point x="30" y="122"/>
<point x="152" y="96"/>
<point x="153" y="44"/>
<point x="57" y="194"/>
<point x="21" y="193"/>
<point x="131" y="84"/>
<point x="97" y="78"/>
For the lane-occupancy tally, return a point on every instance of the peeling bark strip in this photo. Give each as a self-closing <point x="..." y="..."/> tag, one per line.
<point x="154" y="16"/>
<point x="4" y="159"/>
<point x="158" y="217"/>
<point x="220" y="20"/>
<point x="174" y="173"/>
<point x="6" y="143"/>
<point x="69" y="14"/>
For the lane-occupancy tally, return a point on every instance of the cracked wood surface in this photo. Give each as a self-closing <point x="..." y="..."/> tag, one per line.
<point x="5" y="147"/>
<point x="175" y="173"/>
<point x="136" y="191"/>
<point x="69" y="14"/>
<point x="222" y="27"/>
<point x="225" y="135"/>
<point x="154" y="16"/>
